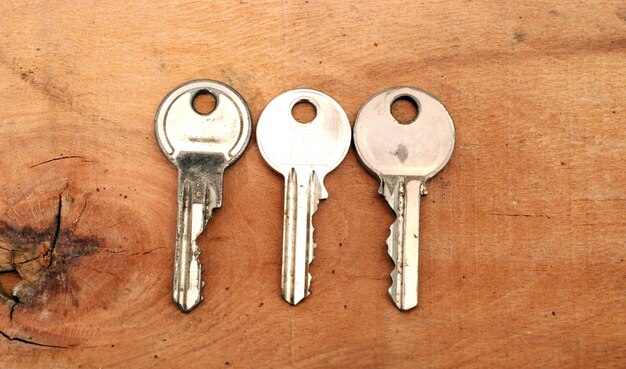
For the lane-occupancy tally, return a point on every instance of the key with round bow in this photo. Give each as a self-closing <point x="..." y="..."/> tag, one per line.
<point x="404" y="157"/>
<point x="201" y="145"/>
<point x="304" y="153"/>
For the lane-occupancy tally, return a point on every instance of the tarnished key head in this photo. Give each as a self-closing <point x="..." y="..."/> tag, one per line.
<point x="201" y="146"/>
<point x="180" y="128"/>
<point x="404" y="157"/>
<point x="421" y="148"/>
<point x="304" y="153"/>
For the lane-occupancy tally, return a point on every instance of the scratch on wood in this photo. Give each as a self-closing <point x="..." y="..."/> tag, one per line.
<point x="521" y="215"/>
<point x="80" y="215"/>
<point x="62" y="158"/>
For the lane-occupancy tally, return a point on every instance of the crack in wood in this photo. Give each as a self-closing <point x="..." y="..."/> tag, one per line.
<point x="29" y="342"/>
<point x="82" y="158"/>
<point x="43" y="259"/>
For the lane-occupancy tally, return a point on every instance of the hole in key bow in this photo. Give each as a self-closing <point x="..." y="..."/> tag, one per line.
<point x="304" y="111"/>
<point x="204" y="102"/>
<point x="405" y="109"/>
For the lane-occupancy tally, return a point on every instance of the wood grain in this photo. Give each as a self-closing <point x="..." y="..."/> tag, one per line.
<point x="523" y="234"/>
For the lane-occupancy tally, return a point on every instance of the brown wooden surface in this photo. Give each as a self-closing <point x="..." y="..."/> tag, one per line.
<point x="523" y="233"/>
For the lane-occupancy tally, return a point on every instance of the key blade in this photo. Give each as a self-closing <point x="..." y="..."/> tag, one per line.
<point x="187" y="267"/>
<point x="403" y="195"/>
<point x="303" y="191"/>
<point x="199" y="192"/>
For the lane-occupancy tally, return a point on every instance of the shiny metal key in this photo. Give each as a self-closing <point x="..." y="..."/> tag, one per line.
<point x="304" y="153"/>
<point x="201" y="146"/>
<point x="404" y="157"/>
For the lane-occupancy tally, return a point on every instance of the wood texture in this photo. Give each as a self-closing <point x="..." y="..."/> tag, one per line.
<point x="523" y="234"/>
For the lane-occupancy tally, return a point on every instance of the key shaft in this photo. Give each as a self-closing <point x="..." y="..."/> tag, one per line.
<point x="303" y="191"/>
<point x="403" y="195"/>
<point x="200" y="178"/>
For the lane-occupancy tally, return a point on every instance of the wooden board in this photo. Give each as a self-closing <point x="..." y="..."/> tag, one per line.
<point x="523" y="233"/>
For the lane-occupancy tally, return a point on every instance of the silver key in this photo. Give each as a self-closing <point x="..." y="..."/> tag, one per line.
<point x="201" y="146"/>
<point x="304" y="154"/>
<point x="404" y="157"/>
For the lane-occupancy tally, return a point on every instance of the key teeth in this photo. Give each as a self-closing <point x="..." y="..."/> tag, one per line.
<point x="309" y="277"/>
<point x="318" y="191"/>
<point x="389" y="191"/>
<point x="392" y="189"/>
<point x="394" y="272"/>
